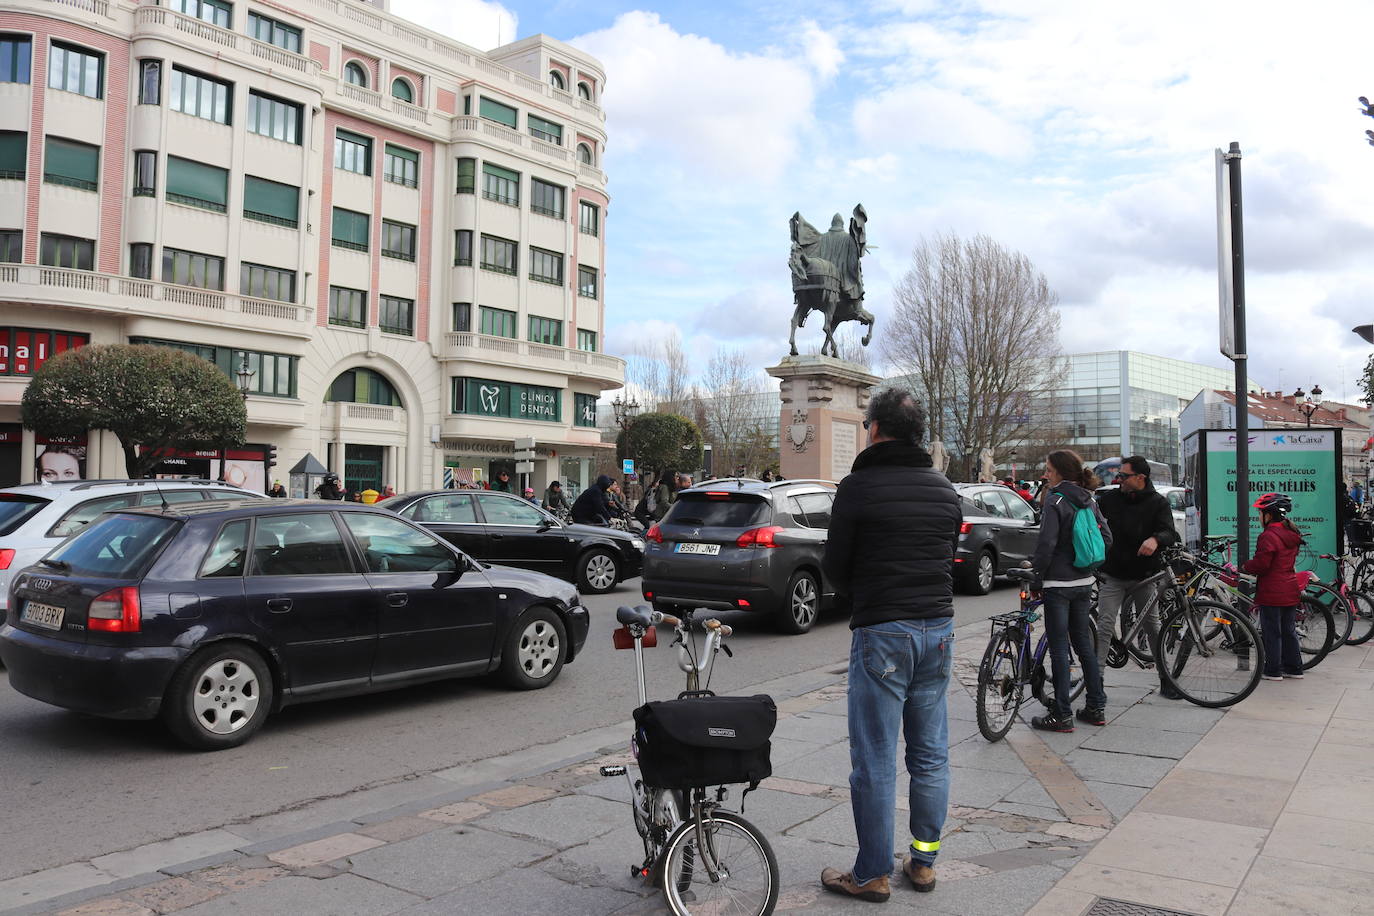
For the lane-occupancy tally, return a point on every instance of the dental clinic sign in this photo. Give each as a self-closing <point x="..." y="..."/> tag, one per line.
<point x="1301" y="463"/>
<point x="510" y="400"/>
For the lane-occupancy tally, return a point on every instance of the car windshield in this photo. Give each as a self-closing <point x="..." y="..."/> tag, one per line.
<point x="114" y="547"/>
<point x="16" y="509"/>
<point x="733" y="511"/>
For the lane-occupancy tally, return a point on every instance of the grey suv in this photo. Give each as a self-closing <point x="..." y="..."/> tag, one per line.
<point x="743" y="544"/>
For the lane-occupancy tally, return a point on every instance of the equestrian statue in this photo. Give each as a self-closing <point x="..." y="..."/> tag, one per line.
<point x="827" y="276"/>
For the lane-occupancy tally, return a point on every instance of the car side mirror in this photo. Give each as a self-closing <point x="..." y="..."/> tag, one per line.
<point x="545" y="525"/>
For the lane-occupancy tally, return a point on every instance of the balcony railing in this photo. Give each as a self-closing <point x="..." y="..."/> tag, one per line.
<point x="152" y="15"/>
<point x="464" y="125"/>
<point x="130" y="295"/>
<point x="463" y="344"/>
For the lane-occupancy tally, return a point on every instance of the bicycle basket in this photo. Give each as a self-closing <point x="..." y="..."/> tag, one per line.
<point x="705" y="741"/>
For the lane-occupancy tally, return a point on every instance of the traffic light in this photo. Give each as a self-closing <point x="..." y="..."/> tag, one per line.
<point x="271" y="456"/>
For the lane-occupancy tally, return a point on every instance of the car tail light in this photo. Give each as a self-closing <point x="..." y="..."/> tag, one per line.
<point x="649" y="596"/>
<point x="116" y="611"/>
<point x="716" y="494"/>
<point x="654" y="534"/>
<point x="965" y="527"/>
<point x="759" y="537"/>
<point x="742" y="603"/>
<point x="6" y="558"/>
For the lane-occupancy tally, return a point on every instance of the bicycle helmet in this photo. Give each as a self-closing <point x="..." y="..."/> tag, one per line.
<point x="1276" y="504"/>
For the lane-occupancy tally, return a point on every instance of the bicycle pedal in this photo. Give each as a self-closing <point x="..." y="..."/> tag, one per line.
<point x="613" y="771"/>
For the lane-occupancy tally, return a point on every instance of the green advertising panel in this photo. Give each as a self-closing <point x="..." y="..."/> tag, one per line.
<point x="1301" y="463"/>
<point x="486" y="397"/>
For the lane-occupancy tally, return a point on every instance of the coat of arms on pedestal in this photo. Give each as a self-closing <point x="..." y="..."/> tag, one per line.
<point x="800" y="432"/>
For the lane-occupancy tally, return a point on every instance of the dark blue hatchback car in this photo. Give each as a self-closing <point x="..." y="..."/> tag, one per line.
<point x="213" y="615"/>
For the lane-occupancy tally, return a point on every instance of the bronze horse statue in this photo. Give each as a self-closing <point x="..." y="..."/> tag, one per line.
<point x="827" y="276"/>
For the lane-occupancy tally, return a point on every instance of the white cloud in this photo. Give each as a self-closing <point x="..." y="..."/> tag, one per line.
<point x="482" y="24"/>
<point x="924" y="116"/>
<point x="822" y="50"/>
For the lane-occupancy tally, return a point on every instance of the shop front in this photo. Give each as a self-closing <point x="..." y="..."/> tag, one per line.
<point x="244" y="467"/>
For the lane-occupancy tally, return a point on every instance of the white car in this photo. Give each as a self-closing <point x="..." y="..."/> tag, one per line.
<point x="36" y="517"/>
<point x="1180" y="504"/>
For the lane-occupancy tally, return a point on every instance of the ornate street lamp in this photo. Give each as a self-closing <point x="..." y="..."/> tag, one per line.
<point x="625" y="412"/>
<point x="1309" y="403"/>
<point x="245" y="377"/>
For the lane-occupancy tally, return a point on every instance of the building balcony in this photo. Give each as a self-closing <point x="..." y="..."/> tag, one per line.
<point x="379" y="102"/>
<point x="345" y="418"/>
<point x="466" y="127"/>
<point x="161" y="22"/>
<point x="606" y="371"/>
<point x="111" y="294"/>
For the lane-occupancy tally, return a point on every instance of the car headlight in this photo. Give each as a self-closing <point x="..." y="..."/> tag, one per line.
<point x="638" y="544"/>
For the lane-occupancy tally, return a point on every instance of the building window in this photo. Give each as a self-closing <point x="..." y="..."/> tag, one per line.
<point x="16" y="58"/>
<point x="275" y="118"/>
<point x="499" y="255"/>
<point x="347" y="307"/>
<point x="500" y="185"/>
<point x="584" y="410"/>
<point x="402" y="166"/>
<point x="556" y="80"/>
<point x="190" y="268"/>
<point x="495" y="322"/>
<point x="263" y="282"/>
<point x="73" y="69"/>
<point x="363" y="386"/>
<point x="397" y="316"/>
<point x="546" y="266"/>
<point x="197" y="184"/>
<point x="352" y="153"/>
<point x="400" y="89"/>
<point x="200" y="96"/>
<point x="145" y="173"/>
<point x="30" y="349"/>
<point x="355" y="73"/>
<point x="350" y="229"/>
<point x="462" y="248"/>
<point x="214" y="12"/>
<point x="66" y="251"/>
<point x="462" y="316"/>
<point x="547" y="199"/>
<point x="271" y="202"/>
<point x="274" y="32"/>
<point x="150" y="82"/>
<point x="491" y="398"/>
<point x="467" y="176"/>
<point x="588" y="218"/>
<point x="141" y="260"/>
<point x="66" y="162"/>
<point x="398" y="240"/>
<point x="584" y="154"/>
<point x="586" y="340"/>
<point x="14" y="154"/>
<point x="547" y="131"/>
<point x="11" y="246"/>
<point x="584" y="90"/>
<point x="586" y="281"/>
<point x="495" y="111"/>
<point x="546" y="331"/>
<point x="274" y="374"/>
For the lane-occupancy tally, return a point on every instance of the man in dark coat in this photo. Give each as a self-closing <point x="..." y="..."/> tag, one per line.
<point x="1142" y="525"/>
<point x="890" y="549"/>
<point x="590" y="508"/>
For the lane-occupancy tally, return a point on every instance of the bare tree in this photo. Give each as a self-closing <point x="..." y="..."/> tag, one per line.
<point x="657" y="375"/>
<point x="850" y="350"/>
<point x="976" y="327"/>
<point x="730" y="409"/>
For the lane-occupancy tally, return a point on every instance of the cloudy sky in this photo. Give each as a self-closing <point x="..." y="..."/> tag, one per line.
<point x="1079" y="133"/>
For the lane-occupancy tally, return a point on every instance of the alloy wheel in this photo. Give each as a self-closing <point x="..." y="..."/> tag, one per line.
<point x="226" y="696"/>
<point x="539" y="649"/>
<point x="804" y="601"/>
<point x="985" y="572"/>
<point x="600" y="571"/>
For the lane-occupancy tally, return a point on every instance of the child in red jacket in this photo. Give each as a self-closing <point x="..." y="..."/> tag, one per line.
<point x="1276" y="592"/>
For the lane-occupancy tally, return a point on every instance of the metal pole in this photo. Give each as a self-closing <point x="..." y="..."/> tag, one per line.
<point x="1242" y="389"/>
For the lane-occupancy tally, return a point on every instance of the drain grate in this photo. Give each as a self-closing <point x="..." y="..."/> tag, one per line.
<point x="1106" y="906"/>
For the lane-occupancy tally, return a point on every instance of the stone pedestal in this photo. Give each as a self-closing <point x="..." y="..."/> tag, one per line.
<point x="823" y="401"/>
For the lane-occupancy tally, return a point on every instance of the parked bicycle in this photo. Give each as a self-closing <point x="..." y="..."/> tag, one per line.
<point x="706" y="859"/>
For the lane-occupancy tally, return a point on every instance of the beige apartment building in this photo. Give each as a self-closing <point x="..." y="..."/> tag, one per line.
<point x="394" y="242"/>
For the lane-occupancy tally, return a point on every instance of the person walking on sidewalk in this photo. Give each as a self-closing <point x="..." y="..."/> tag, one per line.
<point x="1276" y="592"/>
<point x="1142" y="524"/>
<point x="890" y="549"/>
<point x="1068" y="588"/>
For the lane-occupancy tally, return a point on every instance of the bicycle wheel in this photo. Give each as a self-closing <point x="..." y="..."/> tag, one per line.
<point x="1340" y="613"/>
<point x="1209" y="653"/>
<point x="1000" y="684"/>
<point x="748" y="875"/>
<point x="1042" y="681"/>
<point x="1362" y="622"/>
<point x="1316" y="628"/>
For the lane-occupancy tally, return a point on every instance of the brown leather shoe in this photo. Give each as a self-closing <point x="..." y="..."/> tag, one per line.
<point x="922" y="877"/>
<point x="838" y="882"/>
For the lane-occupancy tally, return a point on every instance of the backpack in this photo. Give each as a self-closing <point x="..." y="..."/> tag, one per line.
<point x="1089" y="550"/>
<point x="644" y="509"/>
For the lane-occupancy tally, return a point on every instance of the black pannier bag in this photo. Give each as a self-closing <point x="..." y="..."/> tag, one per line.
<point x="1361" y="532"/>
<point x="705" y="741"/>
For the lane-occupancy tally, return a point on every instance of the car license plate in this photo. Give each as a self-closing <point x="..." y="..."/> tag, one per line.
<point x="708" y="549"/>
<point x="43" y="615"/>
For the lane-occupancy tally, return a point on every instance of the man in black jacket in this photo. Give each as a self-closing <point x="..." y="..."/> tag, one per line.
<point x="590" y="508"/>
<point x="890" y="549"/>
<point x="1142" y="524"/>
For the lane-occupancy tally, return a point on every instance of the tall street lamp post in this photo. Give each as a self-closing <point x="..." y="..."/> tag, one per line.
<point x="244" y="376"/>
<point x="1309" y="403"/>
<point x="625" y="413"/>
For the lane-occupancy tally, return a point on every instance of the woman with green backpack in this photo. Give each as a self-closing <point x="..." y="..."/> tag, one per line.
<point x="1074" y="538"/>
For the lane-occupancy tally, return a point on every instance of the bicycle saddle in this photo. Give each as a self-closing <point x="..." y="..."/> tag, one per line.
<point x="634" y="615"/>
<point x="1025" y="575"/>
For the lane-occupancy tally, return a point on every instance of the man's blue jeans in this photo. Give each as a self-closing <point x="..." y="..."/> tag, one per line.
<point x="1068" y="619"/>
<point x="898" y="674"/>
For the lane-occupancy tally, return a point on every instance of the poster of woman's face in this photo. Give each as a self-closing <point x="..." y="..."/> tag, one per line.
<point x="61" y="462"/>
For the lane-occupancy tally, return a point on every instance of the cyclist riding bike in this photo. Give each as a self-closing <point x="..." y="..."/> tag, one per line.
<point x="591" y="508"/>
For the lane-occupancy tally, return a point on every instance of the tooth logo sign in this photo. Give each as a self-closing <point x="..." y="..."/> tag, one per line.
<point x="490" y="398"/>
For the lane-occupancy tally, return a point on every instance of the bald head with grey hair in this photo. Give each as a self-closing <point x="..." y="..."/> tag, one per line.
<point x="897" y="415"/>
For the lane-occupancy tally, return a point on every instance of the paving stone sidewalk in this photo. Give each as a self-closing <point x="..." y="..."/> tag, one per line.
<point x="1027" y="821"/>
